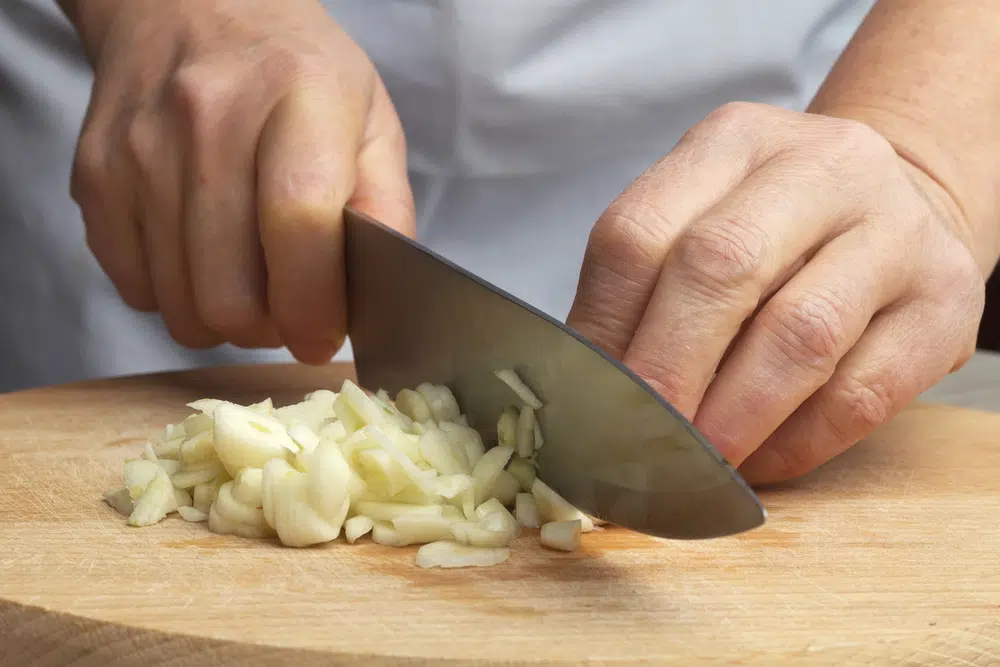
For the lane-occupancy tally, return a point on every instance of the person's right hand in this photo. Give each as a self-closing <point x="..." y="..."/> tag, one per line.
<point x="222" y="142"/>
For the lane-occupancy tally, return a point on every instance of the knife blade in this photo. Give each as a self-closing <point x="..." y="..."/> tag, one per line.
<point x="614" y="448"/>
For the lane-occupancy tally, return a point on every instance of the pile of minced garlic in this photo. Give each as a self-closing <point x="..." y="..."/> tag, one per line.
<point x="409" y="471"/>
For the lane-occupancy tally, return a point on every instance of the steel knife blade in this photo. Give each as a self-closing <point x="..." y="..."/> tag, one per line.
<point x="613" y="447"/>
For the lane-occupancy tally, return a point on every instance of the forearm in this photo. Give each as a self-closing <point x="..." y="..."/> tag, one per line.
<point x="923" y="73"/>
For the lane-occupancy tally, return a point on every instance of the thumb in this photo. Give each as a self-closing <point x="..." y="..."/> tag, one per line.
<point x="382" y="190"/>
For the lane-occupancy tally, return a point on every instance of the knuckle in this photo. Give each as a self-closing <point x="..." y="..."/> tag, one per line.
<point x="735" y="115"/>
<point x="966" y="273"/>
<point x="196" y="92"/>
<point x="303" y="204"/>
<point x="956" y="286"/>
<point x="859" y="406"/>
<point x="619" y="272"/>
<point x="661" y="372"/>
<point x="629" y="236"/>
<point x="808" y="331"/>
<point x="723" y="258"/>
<point x="294" y="64"/>
<point x="142" y="143"/>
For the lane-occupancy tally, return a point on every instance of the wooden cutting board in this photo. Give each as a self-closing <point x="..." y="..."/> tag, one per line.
<point x="890" y="555"/>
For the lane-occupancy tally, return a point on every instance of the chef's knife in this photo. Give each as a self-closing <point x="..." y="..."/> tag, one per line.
<point x="613" y="447"/>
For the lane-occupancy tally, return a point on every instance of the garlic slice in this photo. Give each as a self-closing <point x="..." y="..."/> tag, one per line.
<point x="448" y="554"/>
<point x="357" y="527"/>
<point x="510" y="378"/>
<point x="553" y="507"/>
<point x="561" y="535"/>
<point x="247" y="439"/>
<point x="526" y="511"/>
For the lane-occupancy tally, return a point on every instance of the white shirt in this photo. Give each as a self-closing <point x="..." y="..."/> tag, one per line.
<point x="524" y="118"/>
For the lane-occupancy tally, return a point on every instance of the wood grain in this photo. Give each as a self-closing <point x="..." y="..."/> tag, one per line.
<point x="889" y="555"/>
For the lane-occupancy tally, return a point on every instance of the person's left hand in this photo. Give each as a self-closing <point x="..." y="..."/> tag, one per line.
<point x="784" y="279"/>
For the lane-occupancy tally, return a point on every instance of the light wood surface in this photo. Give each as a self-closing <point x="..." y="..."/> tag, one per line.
<point x="888" y="556"/>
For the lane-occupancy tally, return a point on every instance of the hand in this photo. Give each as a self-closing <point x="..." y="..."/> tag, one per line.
<point x="784" y="279"/>
<point x="222" y="142"/>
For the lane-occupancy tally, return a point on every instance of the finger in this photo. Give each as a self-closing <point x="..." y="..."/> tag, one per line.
<point x="794" y="343"/>
<point x="383" y="188"/>
<point x="873" y="382"/>
<point x="157" y="169"/>
<point x="102" y="187"/>
<point x="306" y="172"/>
<point x="722" y="265"/>
<point x="222" y="237"/>
<point x="630" y="241"/>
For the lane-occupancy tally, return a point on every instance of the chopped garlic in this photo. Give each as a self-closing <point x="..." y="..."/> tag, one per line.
<point x="510" y="378"/>
<point x="155" y="501"/>
<point x="539" y="440"/>
<point x="196" y="424"/>
<point x="505" y="488"/>
<point x="191" y="477"/>
<point x="413" y="405"/>
<point x="204" y="494"/>
<point x="525" y="435"/>
<point x="448" y="554"/>
<point x="487" y="469"/>
<point x="526" y="511"/>
<point x="138" y="474"/>
<point x="168" y="448"/>
<point x="169" y="465"/>
<point x="205" y="405"/>
<point x="248" y="487"/>
<point x="507" y="427"/>
<point x="523" y="470"/>
<point x="182" y="498"/>
<point x="409" y="471"/>
<point x="440" y="451"/>
<point x="199" y="448"/>
<point x="496" y="529"/>
<point x="296" y="521"/>
<point x="247" y="439"/>
<point x="462" y="436"/>
<point x="232" y="511"/>
<point x="553" y="507"/>
<point x="423" y="528"/>
<point x="490" y="506"/>
<point x="382" y="511"/>
<point x="357" y="527"/>
<point x="440" y="401"/>
<point x="191" y="514"/>
<point x="561" y="535"/>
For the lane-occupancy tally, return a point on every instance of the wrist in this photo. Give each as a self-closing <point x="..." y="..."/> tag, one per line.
<point x="960" y="200"/>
